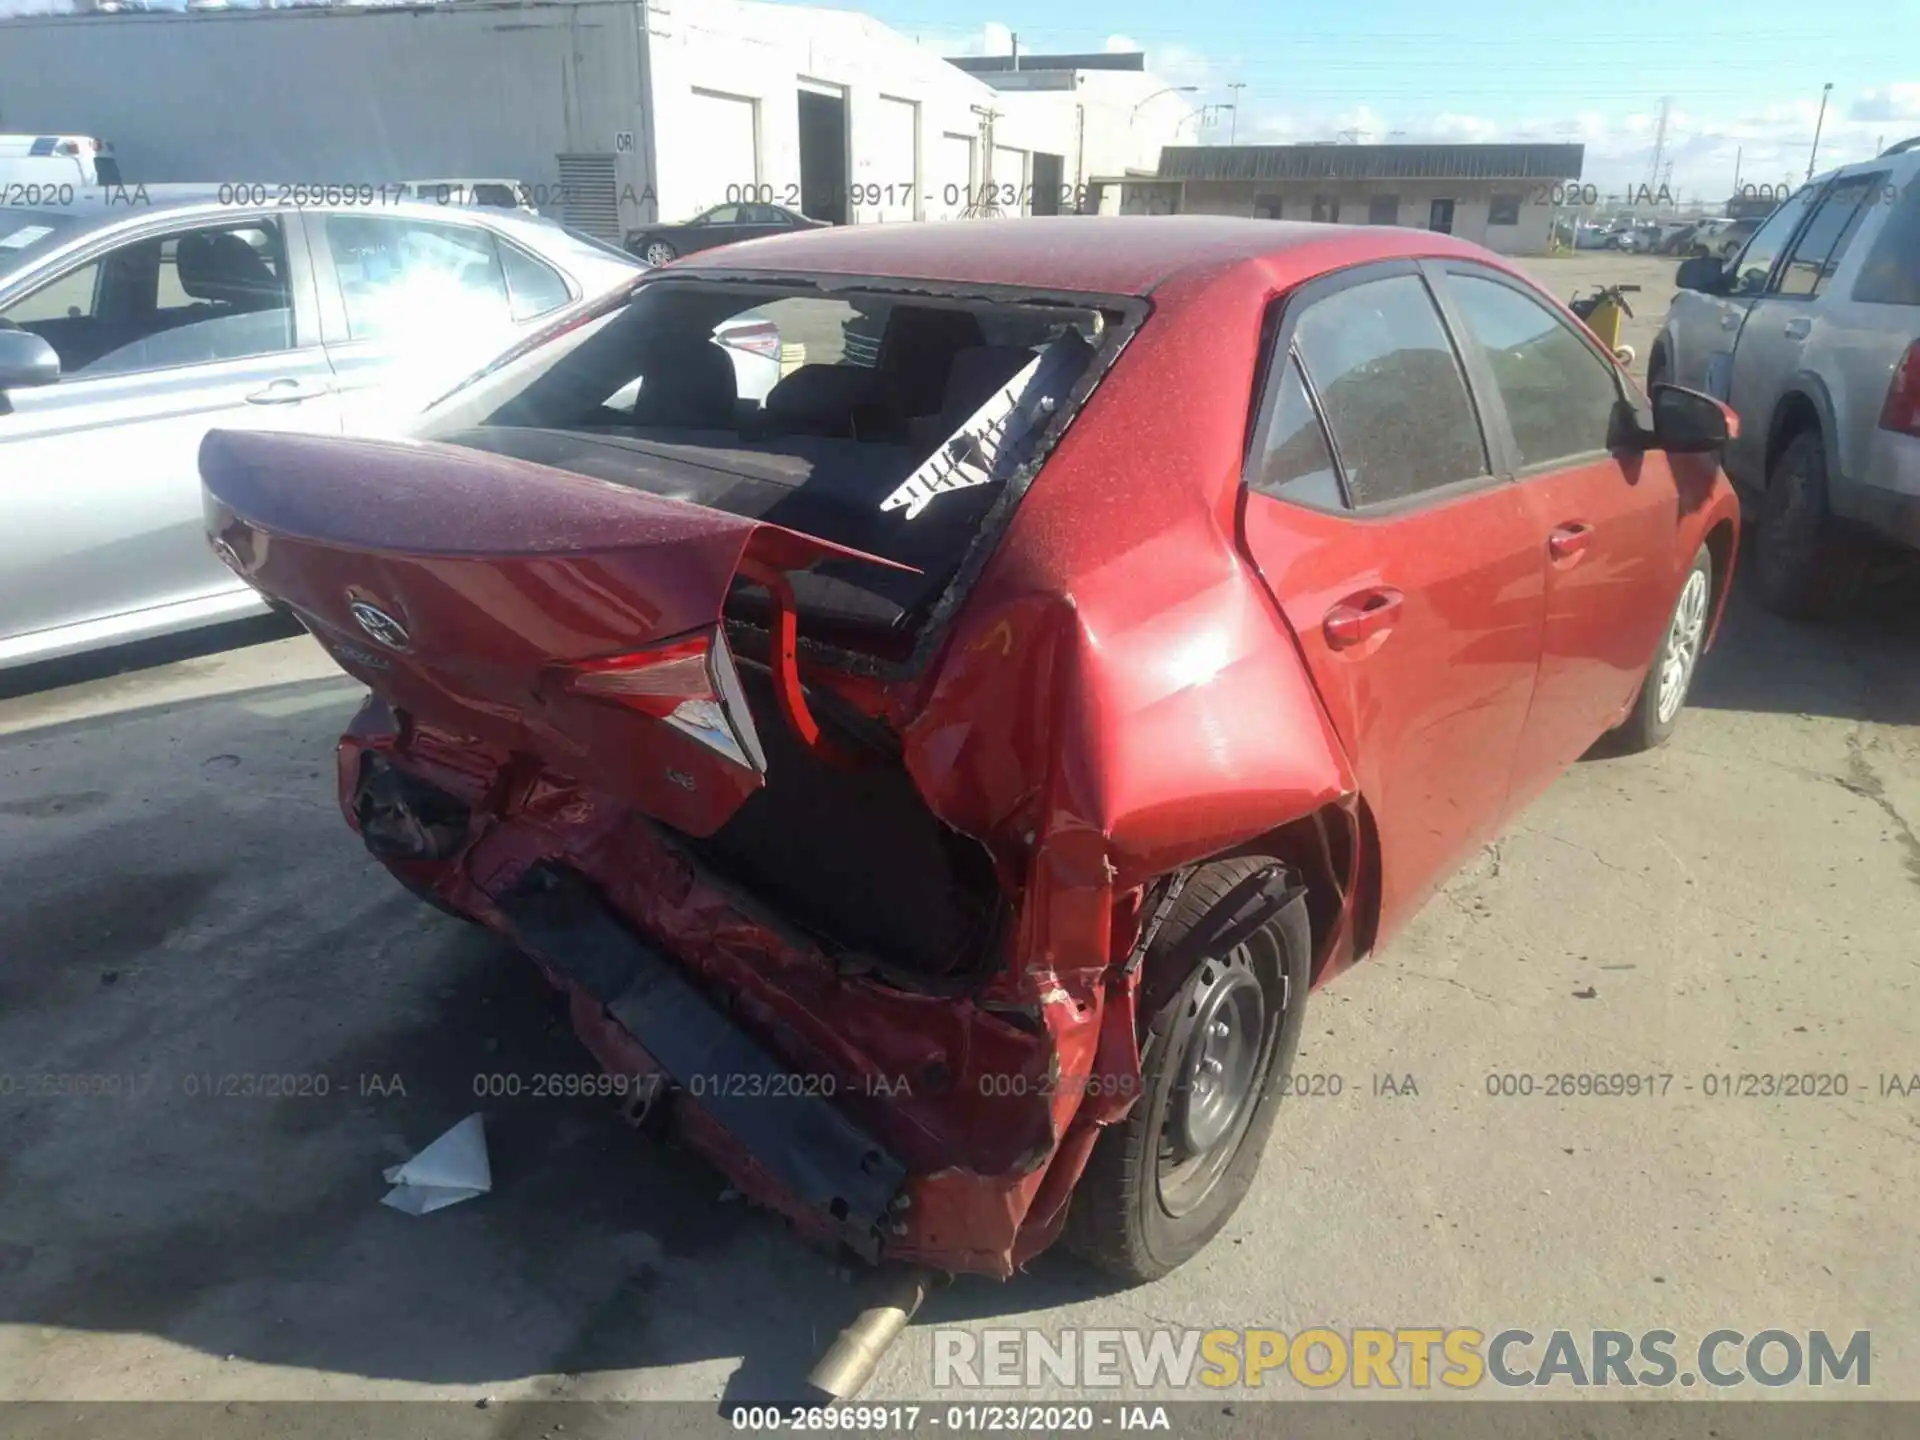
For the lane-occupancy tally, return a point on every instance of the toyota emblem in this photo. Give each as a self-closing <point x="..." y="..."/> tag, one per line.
<point x="380" y="625"/>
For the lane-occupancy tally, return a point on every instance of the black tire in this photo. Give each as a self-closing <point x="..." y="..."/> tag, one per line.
<point x="1656" y="713"/>
<point x="1127" y="1218"/>
<point x="1804" y="568"/>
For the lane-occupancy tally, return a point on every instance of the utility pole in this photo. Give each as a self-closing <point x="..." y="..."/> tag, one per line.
<point x="1738" y="151"/>
<point x="1015" y="38"/>
<point x="1233" y="125"/>
<point x="1659" y="145"/>
<point x="1825" y="90"/>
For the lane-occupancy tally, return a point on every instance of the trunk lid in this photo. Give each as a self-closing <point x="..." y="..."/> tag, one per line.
<point x="536" y="609"/>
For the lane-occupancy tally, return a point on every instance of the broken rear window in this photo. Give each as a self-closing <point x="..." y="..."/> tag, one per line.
<point x="888" y="423"/>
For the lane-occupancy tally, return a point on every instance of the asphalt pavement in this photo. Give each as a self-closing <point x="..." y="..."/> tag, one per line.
<point x="183" y="908"/>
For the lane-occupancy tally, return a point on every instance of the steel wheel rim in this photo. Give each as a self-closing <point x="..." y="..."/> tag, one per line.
<point x="1683" y="645"/>
<point x="1218" y="1079"/>
<point x="659" y="253"/>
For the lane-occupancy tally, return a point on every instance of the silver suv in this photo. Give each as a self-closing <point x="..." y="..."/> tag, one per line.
<point x="1812" y="334"/>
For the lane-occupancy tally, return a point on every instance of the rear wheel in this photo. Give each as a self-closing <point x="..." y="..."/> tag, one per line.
<point x="1161" y="1183"/>
<point x="1803" y="567"/>
<point x="658" y="252"/>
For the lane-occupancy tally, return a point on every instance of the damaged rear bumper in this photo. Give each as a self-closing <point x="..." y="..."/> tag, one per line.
<point x="843" y="1177"/>
<point x="925" y="1128"/>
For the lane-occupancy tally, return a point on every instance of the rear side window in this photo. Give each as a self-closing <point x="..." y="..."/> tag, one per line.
<point x="1391" y="389"/>
<point x="1297" y="463"/>
<point x="1890" y="275"/>
<point x="1817" y="254"/>
<point x="533" y="288"/>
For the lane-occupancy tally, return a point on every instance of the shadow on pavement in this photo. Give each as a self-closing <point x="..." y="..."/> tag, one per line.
<point x="1863" y="665"/>
<point x="253" y="1020"/>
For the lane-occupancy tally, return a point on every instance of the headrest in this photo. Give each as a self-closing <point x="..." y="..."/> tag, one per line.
<point x="219" y="266"/>
<point x="821" y="399"/>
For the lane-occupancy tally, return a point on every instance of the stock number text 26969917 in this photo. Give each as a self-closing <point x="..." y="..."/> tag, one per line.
<point x="903" y="195"/>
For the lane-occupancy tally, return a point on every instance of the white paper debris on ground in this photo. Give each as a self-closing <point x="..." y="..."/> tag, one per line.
<point x="451" y="1169"/>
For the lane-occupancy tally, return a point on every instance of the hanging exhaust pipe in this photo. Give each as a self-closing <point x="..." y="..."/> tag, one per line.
<point x="843" y="1372"/>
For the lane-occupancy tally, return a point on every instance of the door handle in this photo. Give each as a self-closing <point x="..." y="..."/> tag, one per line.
<point x="287" y="390"/>
<point x="1799" y="327"/>
<point x="1358" y="617"/>
<point x="1729" y="321"/>
<point x="1569" y="540"/>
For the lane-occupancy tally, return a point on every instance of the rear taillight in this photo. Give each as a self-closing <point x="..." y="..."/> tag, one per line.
<point x="1901" y="412"/>
<point x="689" y="683"/>
<point x="761" y="337"/>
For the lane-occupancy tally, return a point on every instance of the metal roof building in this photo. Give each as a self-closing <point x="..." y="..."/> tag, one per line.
<point x="1501" y="196"/>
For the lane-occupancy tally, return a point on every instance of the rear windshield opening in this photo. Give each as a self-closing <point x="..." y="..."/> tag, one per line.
<point x="888" y="423"/>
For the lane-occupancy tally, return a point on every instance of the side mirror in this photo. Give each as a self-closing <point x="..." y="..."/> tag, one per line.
<point x="26" y="359"/>
<point x="1685" y="422"/>
<point x="1705" y="273"/>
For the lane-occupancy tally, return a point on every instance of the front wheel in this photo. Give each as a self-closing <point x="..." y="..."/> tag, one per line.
<point x="658" y="252"/>
<point x="1162" y="1183"/>
<point x="1664" y="692"/>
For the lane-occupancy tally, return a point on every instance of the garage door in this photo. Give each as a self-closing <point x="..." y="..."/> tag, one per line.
<point x="722" y="130"/>
<point x="1010" y="180"/>
<point x="953" y="177"/>
<point x="888" y="170"/>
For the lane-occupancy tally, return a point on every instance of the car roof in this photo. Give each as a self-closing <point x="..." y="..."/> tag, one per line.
<point x="1104" y="254"/>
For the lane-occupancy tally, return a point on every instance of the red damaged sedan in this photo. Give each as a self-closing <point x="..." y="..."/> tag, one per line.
<point x="939" y="786"/>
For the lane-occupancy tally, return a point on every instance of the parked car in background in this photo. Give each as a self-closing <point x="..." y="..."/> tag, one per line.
<point x="1727" y="242"/>
<point x="126" y="332"/>
<point x="1812" y="333"/>
<point x="1678" y="238"/>
<point x="66" y="164"/>
<point x="1028" y="720"/>
<point x="722" y="225"/>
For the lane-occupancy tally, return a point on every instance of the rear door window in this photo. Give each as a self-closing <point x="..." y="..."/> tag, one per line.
<point x="1890" y="275"/>
<point x="414" y="277"/>
<point x="1818" y="251"/>
<point x="1391" y="388"/>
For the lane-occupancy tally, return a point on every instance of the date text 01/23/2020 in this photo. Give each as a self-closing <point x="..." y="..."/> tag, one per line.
<point x="905" y="194"/>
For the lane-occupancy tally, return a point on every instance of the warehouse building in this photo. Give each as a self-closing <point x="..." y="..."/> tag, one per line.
<point x="1500" y="196"/>
<point x="1119" y="114"/>
<point x="615" y="113"/>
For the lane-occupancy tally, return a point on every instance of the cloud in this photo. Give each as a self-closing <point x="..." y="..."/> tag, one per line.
<point x="1896" y="102"/>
